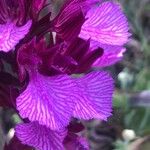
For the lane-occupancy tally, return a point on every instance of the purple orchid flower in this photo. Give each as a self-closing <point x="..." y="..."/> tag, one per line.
<point x="88" y="33"/>
<point x="104" y="24"/>
<point x="65" y="95"/>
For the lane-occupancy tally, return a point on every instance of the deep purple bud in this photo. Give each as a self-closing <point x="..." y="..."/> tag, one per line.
<point x="69" y="21"/>
<point x="15" y="144"/>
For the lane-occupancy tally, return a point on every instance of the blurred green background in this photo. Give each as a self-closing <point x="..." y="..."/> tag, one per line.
<point x="132" y="95"/>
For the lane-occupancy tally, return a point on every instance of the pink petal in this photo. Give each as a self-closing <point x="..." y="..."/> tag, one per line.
<point x="48" y="100"/>
<point x="95" y="98"/>
<point x="106" y="24"/>
<point x="10" y="35"/>
<point x="40" y="137"/>
<point x="112" y="54"/>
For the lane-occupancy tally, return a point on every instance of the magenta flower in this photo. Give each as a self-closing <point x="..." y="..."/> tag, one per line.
<point x="88" y="33"/>
<point x="104" y="24"/>
<point x="15" y="21"/>
<point x="107" y="27"/>
<point x="53" y="100"/>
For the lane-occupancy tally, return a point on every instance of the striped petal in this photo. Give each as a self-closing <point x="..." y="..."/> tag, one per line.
<point x="112" y="54"/>
<point x="48" y="100"/>
<point x="95" y="96"/>
<point x="106" y="24"/>
<point x="40" y="137"/>
<point x="10" y="35"/>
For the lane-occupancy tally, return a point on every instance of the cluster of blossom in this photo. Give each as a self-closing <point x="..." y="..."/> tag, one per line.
<point x="49" y="84"/>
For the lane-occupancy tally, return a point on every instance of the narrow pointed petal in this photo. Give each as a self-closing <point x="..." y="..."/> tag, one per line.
<point x="95" y="98"/>
<point x="112" y="54"/>
<point x="48" y="100"/>
<point x="10" y="35"/>
<point x="106" y="24"/>
<point x="37" y="5"/>
<point x="40" y="137"/>
<point x="69" y="21"/>
<point x="68" y="24"/>
<point x="88" y="60"/>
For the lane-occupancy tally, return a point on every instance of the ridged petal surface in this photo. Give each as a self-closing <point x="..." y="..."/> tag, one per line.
<point x="112" y="54"/>
<point x="48" y="100"/>
<point x="69" y="22"/>
<point x="106" y="24"/>
<point x="10" y="35"/>
<point x="52" y="101"/>
<point x="40" y="137"/>
<point x="95" y="96"/>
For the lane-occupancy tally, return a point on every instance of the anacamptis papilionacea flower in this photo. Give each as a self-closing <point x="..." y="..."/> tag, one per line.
<point x="50" y="84"/>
